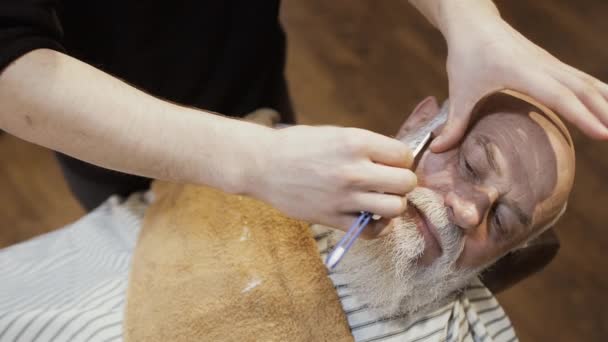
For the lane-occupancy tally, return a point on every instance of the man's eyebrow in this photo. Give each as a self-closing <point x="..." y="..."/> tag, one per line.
<point x="524" y="218"/>
<point x="484" y="142"/>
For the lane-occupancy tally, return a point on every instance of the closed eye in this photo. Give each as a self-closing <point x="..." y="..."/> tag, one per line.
<point x="497" y="224"/>
<point x="471" y="172"/>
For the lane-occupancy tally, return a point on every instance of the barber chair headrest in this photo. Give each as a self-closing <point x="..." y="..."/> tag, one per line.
<point x="522" y="263"/>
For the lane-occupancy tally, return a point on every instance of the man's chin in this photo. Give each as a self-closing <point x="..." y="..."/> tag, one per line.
<point x="397" y="275"/>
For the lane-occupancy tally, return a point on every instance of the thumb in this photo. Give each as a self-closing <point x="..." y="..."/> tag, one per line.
<point x="458" y="119"/>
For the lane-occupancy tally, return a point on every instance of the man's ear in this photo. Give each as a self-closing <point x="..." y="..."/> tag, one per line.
<point x="424" y="111"/>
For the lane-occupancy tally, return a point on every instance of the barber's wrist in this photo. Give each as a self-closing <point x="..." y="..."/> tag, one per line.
<point x="450" y="15"/>
<point x="251" y="163"/>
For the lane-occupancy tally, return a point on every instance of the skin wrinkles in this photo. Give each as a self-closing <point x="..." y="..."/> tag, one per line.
<point x="488" y="150"/>
<point x="493" y="182"/>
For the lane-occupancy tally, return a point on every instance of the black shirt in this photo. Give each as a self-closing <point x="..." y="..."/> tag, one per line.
<point x="226" y="56"/>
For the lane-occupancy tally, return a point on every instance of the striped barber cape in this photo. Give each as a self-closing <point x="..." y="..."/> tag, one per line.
<point x="70" y="285"/>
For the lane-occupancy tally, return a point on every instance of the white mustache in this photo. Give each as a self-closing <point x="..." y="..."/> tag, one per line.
<point x="431" y="205"/>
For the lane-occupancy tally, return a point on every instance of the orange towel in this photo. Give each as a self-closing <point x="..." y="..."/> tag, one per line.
<point x="210" y="266"/>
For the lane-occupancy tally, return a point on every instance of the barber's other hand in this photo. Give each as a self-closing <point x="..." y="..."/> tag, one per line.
<point x="485" y="54"/>
<point x="328" y="175"/>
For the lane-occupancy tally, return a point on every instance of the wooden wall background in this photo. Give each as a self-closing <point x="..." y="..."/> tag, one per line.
<point x="366" y="64"/>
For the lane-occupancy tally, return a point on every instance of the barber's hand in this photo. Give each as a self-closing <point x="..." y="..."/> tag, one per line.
<point x="486" y="55"/>
<point x="328" y="175"/>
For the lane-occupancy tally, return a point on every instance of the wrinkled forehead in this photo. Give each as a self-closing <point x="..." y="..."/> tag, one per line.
<point x="508" y="101"/>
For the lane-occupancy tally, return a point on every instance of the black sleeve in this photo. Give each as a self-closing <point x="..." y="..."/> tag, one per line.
<point x="26" y="25"/>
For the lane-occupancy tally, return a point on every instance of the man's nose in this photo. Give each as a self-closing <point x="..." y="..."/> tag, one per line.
<point x="469" y="209"/>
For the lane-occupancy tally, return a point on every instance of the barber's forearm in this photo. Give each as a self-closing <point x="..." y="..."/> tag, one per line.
<point x="444" y="13"/>
<point x="61" y="103"/>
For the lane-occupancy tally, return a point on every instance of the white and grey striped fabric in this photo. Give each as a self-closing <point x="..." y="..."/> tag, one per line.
<point x="70" y="285"/>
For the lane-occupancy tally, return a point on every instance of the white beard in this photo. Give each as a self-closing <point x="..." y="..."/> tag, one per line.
<point x="384" y="273"/>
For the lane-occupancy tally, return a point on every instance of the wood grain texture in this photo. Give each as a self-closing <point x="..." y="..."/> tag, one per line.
<point x="34" y="198"/>
<point x="367" y="64"/>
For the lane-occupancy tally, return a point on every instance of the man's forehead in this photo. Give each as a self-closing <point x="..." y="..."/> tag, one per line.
<point x="525" y="150"/>
<point x="513" y="129"/>
<point x="508" y="101"/>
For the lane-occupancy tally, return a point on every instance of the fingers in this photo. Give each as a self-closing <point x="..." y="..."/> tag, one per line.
<point x="604" y="89"/>
<point x="384" y="205"/>
<point x="601" y="86"/>
<point x="389" y="180"/>
<point x="564" y="101"/>
<point x="587" y="89"/>
<point x="387" y="151"/>
<point x="456" y="126"/>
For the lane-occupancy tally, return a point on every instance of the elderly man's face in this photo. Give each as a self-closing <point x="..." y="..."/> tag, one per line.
<point x="507" y="180"/>
<point x="500" y="186"/>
